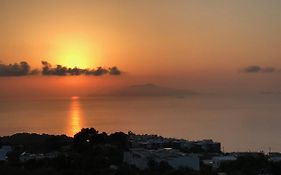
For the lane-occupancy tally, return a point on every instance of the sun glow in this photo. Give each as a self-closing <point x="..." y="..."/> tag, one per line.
<point x="75" y="118"/>
<point x="75" y="52"/>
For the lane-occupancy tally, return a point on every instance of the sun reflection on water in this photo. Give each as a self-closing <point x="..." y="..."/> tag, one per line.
<point x="75" y="119"/>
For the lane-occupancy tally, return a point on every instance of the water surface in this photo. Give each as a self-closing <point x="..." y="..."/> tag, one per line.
<point x="239" y="123"/>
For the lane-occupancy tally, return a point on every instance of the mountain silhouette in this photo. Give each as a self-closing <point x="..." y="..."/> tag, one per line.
<point x="150" y="89"/>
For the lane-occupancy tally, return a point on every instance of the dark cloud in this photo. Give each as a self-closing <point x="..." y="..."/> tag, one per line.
<point x="34" y="72"/>
<point x="97" y="72"/>
<point x="257" y="69"/>
<point x="268" y="69"/>
<point x="23" y="69"/>
<point x="16" y="69"/>
<point x="252" y="69"/>
<point x="47" y="69"/>
<point x="60" y="70"/>
<point x="114" y="71"/>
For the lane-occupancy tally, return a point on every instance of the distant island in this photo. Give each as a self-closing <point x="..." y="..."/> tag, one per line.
<point x="151" y="90"/>
<point x="100" y="153"/>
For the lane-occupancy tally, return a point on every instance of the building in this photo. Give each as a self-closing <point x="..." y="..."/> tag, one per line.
<point x="274" y="157"/>
<point x="176" y="159"/>
<point x="4" y="150"/>
<point x="217" y="160"/>
<point x="157" y="142"/>
<point x="209" y="145"/>
<point x="28" y="156"/>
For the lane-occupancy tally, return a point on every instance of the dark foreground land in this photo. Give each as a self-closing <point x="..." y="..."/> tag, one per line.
<point x="92" y="153"/>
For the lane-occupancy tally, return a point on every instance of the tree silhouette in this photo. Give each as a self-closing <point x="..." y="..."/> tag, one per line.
<point x="83" y="140"/>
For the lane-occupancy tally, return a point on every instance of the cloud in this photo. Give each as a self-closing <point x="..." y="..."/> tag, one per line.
<point x="48" y="70"/>
<point x="252" y="69"/>
<point x="97" y="72"/>
<point x="16" y="69"/>
<point x="268" y="69"/>
<point x="114" y="71"/>
<point x="34" y="72"/>
<point x="60" y="70"/>
<point x="24" y="69"/>
<point x="257" y="69"/>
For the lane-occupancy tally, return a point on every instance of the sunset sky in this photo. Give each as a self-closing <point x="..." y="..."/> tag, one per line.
<point x="206" y="45"/>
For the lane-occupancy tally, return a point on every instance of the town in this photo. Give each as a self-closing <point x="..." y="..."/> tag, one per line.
<point x="94" y="152"/>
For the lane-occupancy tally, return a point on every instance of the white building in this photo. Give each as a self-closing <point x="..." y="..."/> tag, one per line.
<point x="176" y="159"/>
<point x="3" y="152"/>
<point x="217" y="160"/>
<point x="137" y="157"/>
<point x="274" y="157"/>
<point x="28" y="156"/>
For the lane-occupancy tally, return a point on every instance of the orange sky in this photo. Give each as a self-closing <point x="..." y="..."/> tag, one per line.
<point x="186" y="42"/>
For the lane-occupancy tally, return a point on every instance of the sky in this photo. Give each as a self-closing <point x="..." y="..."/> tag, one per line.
<point x="206" y="45"/>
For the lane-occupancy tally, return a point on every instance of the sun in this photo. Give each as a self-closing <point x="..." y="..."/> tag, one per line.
<point x="75" y="52"/>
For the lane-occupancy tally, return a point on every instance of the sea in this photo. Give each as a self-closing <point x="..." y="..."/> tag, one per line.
<point x="239" y="123"/>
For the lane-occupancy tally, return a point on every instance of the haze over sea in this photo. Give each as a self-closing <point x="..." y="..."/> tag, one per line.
<point x="239" y="123"/>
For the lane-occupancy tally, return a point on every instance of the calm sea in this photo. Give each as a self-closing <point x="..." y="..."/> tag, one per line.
<point x="239" y="123"/>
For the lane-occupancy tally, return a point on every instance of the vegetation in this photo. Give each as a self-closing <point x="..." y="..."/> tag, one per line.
<point x="92" y="153"/>
<point x="36" y="143"/>
<point x="251" y="166"/>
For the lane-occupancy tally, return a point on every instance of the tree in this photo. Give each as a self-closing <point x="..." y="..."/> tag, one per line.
<point x="119" y="139"/>
<point x="1" y="143"/>
<point x="84" y="139"/>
